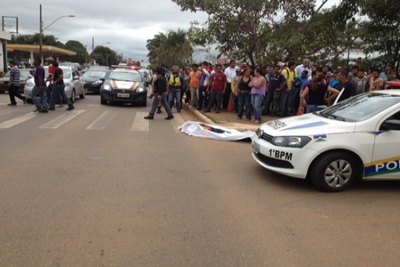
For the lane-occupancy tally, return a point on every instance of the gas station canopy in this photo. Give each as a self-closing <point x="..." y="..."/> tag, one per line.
<point x="46" y="49"/>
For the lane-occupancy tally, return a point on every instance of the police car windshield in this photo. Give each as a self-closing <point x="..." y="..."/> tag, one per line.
<point x="361" y="107"/>
<point x="125" y="76"/>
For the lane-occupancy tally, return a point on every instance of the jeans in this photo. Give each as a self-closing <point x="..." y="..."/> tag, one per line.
<point x="269" y="106"/>
<point x="156" y="103"/>
<point x="58" y="91"/>
<point x="201" y="93"/>
<point x="175" y="94"/>
<point x="39" y="98"/>
<point x="226" y="96"/>
<point x="215" y="95"/>
<point x="311" y="108"/>
<point x="280" y="101"/>
<point x="194" y="96"/>
<point x="256" y="101"/>
<point x="244" y="101"/>
<point x="235" y="103"/>
<point x="293" y="100"/>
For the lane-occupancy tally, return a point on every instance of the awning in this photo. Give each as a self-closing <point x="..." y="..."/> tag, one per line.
<point x="46" y="49"/>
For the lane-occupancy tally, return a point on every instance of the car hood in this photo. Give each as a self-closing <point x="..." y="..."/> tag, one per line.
<point x="308" y="124"/>
<point x="116" y="84"/>
<point x="90" y="79"/>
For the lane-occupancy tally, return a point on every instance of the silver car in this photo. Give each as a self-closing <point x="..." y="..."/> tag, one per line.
<point x="24" y="76"/>
<point x="73" y="84"/>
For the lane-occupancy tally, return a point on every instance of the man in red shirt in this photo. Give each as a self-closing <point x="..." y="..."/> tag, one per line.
<point x="217" y="84"/>
<point x="52" y="71"/>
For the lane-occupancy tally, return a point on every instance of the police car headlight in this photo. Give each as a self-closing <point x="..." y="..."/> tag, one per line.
<point x="107" y="87"/>
<point x="291" y="141"/>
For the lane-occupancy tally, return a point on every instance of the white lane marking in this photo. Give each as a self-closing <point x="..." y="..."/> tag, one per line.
<point x="18" y="120"/>
<point x="140" y="124"/>
<point x="4" y="112"/>
<point x="177" y="121"/>
<point x="60" y="120"/>
<point x="102" y="121"/>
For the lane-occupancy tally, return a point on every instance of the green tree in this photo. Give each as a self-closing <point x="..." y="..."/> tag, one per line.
<point x="173" y="48"/>
<point x="244" y="28"/>
<point x="81" y="53"/>
<point x="105" y="56"/>
<point x="382" y="27"/>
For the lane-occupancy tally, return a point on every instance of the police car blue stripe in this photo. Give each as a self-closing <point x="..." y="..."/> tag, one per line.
<point x="307" y="125"/>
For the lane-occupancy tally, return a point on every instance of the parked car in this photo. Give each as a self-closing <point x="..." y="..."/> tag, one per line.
<point x="25" y="74"/>
<point x="93" y="79"/>
<point x="73" y="84"/>
<point x="124" y="86"/>
<point x="357" y="138"/>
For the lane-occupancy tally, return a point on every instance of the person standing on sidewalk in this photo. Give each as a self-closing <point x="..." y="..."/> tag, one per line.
<point x="230" y="74"/>
<point x="13" y="90"/>
<point x="175" y="85"/>
<point x="258" y="87"/>
<point x="205" y="75"/>
<point x="218" y="82"/>
<point x="194" y="84"/>
<point x="160" y="95"/>
<point x="243" y="90"/>
<point x="39" y="90"/>
<point x="58" y="89"/>
<point x="288" y="98"/>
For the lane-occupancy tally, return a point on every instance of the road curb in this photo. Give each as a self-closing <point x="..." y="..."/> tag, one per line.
<point x="237" y="126"/>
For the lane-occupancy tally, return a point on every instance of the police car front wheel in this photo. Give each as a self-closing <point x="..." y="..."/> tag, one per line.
<point x="334" y="172"/>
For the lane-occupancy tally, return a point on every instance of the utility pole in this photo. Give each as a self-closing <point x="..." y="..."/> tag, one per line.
<point x="40" y="33"/>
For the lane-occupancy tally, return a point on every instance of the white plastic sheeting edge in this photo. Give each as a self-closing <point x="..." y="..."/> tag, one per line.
<point x="211" y="131"/>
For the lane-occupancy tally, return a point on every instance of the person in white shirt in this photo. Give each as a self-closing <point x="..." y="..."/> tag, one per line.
<point x="302" y="67"/>
<point x="230" y="73"/>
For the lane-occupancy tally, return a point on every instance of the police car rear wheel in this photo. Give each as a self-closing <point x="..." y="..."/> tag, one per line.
<point x="334" y="172"/>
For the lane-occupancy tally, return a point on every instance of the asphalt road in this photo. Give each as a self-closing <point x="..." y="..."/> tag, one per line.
<point x="101" y="187"/>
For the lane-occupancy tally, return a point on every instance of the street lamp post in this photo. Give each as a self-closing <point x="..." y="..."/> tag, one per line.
<point x="41" y="29"/>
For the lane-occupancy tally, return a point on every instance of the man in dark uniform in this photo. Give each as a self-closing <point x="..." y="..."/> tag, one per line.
<point x="160" y="95"/>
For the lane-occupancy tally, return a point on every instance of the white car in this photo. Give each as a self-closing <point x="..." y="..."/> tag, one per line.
<point x="73" y="84"/>
<point x="357" y="138"/>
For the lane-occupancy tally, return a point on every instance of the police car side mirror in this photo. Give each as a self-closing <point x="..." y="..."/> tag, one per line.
<point x="391" y="125"/>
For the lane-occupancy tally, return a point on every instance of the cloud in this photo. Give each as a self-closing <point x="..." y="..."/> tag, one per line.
<point x="122" y="25"/>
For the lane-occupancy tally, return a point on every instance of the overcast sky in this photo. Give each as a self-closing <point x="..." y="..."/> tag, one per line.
<point x="122" y="25"/>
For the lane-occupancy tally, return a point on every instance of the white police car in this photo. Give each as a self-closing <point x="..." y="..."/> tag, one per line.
<point x="357" y="138"/>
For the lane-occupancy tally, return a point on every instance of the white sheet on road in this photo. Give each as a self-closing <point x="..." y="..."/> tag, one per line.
<point x="199" y="129"/>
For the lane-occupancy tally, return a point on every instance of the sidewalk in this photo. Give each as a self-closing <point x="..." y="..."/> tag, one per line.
<point x="227" y="119"/>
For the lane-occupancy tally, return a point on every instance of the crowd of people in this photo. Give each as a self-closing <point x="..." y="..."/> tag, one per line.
<point x="277" y="90"/>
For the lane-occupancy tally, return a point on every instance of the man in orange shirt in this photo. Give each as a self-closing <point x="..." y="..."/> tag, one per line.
<point x="194" y="84"/>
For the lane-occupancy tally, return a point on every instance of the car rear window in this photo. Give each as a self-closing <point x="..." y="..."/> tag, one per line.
<point x="125" y="76"/>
